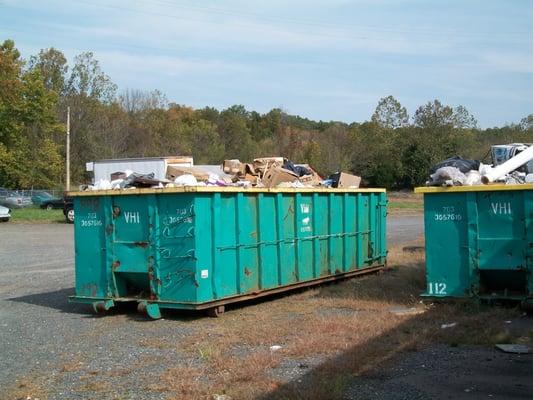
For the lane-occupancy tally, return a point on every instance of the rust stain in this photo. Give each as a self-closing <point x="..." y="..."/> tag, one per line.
<point x="141" y="244"/>
<point x="115" y="264"/>
<point x="370" y="250"/>
<point x="90" y="288"/>
<point x="116" y="211"/>
<point x="109" y="229"/>
<point x="253" y="234"/>
<point x="247" y="272"/>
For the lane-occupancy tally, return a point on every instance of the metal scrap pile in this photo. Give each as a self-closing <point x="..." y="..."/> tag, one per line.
<point x="513" y="167"/>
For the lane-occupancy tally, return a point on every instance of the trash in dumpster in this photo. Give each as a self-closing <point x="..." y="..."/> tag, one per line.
<point x="277" y="175"/>
<point x="344" y="180"/>
<point x="447" y="176"/>
<point x="512" y="164"/>
<point x="174" y="172"/>
<point x="263" y="172"/>
<point x="460" y="163"/>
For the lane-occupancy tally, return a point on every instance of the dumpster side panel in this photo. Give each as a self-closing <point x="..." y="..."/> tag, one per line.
<point x="479" y="243"/>
<point x="335" y="241"/>
<point x="184" y="250"/>
<point x="92" y="272"/>
<point x="528" y="220"/>
<point x="501" y="234"/>
<point x="206" y="232"/>
<point x="267" y="237"/>
<point x="447" y="244"/>
<point x="173" y="245"/>
<point x="130" y="245"/>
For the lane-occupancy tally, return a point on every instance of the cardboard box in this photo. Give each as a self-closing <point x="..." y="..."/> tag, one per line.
<point x="118" y="175"/>
<point x="174" y="172"/>
<point x="233" y="167"/>
<point x="251" y="178"/>
<point x="275" y="176"/>
<point x="261" y="165"/>
<point x="344" y="180"/>
<point x="313" y="180"/>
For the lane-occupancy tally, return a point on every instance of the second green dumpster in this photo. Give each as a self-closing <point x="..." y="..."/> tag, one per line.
<point x="479" y="241"/>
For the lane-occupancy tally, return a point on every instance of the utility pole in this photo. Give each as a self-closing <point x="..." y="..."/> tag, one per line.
<point x="67" y="185"/>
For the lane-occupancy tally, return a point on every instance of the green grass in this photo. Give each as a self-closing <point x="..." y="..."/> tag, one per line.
<point x="35" y="214"/>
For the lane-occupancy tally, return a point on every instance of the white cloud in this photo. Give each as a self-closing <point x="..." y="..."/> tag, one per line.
<point x="511" y="62"/>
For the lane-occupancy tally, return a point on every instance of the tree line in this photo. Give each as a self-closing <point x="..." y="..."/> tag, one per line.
<point x="391" y="150"/>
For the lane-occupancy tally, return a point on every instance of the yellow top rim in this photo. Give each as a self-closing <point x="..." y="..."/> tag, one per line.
<point x="477" y="188"/>
<point x="218" y="189"/>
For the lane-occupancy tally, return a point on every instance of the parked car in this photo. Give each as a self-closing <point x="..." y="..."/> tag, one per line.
<point x="68" y="209"/>
<point x="53" y="203"/>
<point x="5" y="214"/>
<point x="13" y="199"/>
<point x="40" y="196"/>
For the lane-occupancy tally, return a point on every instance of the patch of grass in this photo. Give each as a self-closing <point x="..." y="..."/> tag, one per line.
<point x="402" y="202"/>
<point x="36" y="215"/>
<point x="394" y="204"/>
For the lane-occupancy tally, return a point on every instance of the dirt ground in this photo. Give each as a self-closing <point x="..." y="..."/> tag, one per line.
<point x="364" y="338"/>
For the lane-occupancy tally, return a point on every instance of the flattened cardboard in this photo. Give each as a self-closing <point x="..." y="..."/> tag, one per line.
<point x="275" y="176"/>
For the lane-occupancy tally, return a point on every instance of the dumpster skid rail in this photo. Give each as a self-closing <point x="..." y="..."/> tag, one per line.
<point x="204" y="247"/>
<point x="479" y="241"/>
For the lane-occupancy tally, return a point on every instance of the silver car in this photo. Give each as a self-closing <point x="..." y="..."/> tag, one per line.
<point x="5" y="214"/>
<point x="13" y="199"/>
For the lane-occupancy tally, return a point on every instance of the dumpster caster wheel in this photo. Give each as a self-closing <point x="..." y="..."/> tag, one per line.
<point x="526" y="306"/>
<point x="215" y="312"/>
<point x="101" y="307"/>
<point x="150" y="309"/>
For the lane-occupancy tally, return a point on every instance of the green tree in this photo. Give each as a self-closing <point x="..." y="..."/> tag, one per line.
<point x="52" y="65"/>
<point x="434" y="115"/>
<point x="389" y="113"/>
<point x="29" y="156"/>
<point x="235" y="134"/>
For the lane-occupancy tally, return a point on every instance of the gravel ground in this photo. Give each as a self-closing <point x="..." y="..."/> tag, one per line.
<point x="42" y="336"/>
<point x="443" y="372"/>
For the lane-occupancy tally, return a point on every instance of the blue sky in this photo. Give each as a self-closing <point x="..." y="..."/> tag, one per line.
<point x="329" y="60"/>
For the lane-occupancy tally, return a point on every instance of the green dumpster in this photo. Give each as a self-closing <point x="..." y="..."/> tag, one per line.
<point x="479" y="241"/>
<point x="203" y="247"/>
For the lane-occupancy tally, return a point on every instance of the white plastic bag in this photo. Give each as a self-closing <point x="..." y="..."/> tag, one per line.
<point x="186" y="180"/>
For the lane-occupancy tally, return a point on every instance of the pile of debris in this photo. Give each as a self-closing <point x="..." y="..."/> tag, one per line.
<point x="457" y="171"/>
<point x="265" y="172"/>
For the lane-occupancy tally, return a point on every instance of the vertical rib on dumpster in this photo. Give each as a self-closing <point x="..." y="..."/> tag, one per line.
<point x="359" y="212"/>
<point x="279" y="231"/>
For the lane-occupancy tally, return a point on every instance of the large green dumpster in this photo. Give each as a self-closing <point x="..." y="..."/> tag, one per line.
<point x="479" y="241"/>
<point x="203" y="247"/>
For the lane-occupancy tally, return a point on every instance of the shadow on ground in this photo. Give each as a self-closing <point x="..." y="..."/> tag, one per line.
<point x="418" y="359"/>
<point x="57" y="299"/>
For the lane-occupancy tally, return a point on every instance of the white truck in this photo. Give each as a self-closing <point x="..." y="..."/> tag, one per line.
<point x="502" y="152"/>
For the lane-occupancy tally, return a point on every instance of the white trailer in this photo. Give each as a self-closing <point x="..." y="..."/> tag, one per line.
<point x="102" y="169"/>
